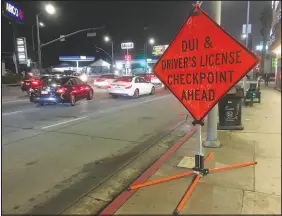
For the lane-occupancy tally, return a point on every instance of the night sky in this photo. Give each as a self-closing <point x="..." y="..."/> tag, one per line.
<point x="124" y="21"/>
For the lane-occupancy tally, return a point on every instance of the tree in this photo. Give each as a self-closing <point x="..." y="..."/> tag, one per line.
<point x="266" y="21"/>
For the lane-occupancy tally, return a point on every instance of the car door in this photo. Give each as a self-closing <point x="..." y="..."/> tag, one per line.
<point x="138" y="85"/>
<point x="145" y="86"/>
<point x="75" y="89"/>
<point x="81" y="88"/>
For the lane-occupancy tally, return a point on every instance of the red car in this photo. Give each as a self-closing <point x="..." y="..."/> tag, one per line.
<point x="146" y="76"/>
<point x="26" y="85"/>
<point x="150" y="77"/>
<point x="62" y="90"/>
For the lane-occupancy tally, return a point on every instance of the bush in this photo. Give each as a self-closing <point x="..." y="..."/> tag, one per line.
<point x="11" y="79"/>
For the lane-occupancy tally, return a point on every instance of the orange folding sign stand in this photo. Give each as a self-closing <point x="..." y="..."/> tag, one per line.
<point x="199" y="67"/>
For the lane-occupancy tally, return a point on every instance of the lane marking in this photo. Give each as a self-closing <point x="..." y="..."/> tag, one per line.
<point x="13" y="101"/>
<point x="11" y="113"/>
<point x="64" y="122"/>
<point x="129" y="105"/>
<point x="106" y="110"/>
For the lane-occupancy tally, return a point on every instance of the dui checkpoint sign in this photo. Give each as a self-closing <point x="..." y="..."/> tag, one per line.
<point x="202" y="64"/>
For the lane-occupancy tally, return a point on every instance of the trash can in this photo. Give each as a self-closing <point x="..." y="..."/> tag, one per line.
<point x="230" y="111"/>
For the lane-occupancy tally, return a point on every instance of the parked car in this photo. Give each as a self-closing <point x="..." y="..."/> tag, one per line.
<point x="63" y="90"/>
<point x="130" y="86"/>
<point x="104" y="80"/>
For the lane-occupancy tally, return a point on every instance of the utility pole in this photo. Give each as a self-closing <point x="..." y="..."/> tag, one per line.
<point x="15" y="56"/>
<point x="38" y="44"/>
<point x="212" y="140"/>
<point x="112" y="53"/>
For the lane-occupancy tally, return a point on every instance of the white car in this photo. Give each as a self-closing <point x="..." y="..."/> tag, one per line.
<point x="132" y="86"/>
<point x="104" y="80"/>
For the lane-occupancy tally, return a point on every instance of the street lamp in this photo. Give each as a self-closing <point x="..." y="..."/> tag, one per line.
<point x="107" y="39"/>
<point x="244" y="36"/>
<point x="50" y="10"/>
<point x="152" y="41"/>
<point x="32" y="37"/>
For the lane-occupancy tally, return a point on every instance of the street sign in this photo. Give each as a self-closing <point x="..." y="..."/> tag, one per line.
<point x="62" y="38"/>
<point x="128" y="45"/>
<point x="202" y="64"/>
<point x="13" y="12"/>
<point x="245" y="29"/>
<point x="159" y="50"/>
<point x="91" y="34"/>
<point x="127" y="57"/>
<point x="22" y="51"/>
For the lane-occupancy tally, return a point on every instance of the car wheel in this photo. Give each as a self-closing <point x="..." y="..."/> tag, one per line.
<point x="136" y="94"/>
<point x="72" y="100"/>
<point x="90" y="95"/>
<point x="41" y="104"/>
<point x="153" y="90"/>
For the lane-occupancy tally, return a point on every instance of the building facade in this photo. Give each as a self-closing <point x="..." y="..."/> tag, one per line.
<point x="275" y="41"/>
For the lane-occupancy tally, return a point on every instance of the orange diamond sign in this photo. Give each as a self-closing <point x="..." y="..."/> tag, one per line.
<point x="203" y="63"/>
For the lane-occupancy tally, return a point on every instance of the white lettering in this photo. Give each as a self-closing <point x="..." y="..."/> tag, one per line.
<point x="10" y="8"/>
<point x="129" y="45"/>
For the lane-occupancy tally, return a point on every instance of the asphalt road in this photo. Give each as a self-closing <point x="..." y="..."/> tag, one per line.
<point x="53" y="154"/>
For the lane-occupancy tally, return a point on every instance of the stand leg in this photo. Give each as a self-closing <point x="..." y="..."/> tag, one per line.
<point x="134" y="187"/>
<point x="187" y="194"/>
<point x="233" y="166"/>
<point x="199" y="156"/>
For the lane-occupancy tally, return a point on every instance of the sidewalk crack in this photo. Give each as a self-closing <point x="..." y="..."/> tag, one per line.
<point x="242" y="201"/>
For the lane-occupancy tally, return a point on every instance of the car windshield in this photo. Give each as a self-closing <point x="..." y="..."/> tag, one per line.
<point x="124" y="79"/>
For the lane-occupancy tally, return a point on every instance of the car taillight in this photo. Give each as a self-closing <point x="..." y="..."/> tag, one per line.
<point x="110" y="86"/>
<point x="22" y="82"/>
<point x="35" y="82"/>
<point x="61" y="90"/>
<point x="94" y="80"/>
<point x="128" y="87"/>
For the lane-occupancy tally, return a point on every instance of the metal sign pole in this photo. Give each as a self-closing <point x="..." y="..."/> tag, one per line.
<point x="211" y="140"/>
<point x="199" y="156"/>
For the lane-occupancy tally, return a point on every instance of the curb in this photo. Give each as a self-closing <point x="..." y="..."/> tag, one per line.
<point x="125" y="195"/>
<point x="11" y="85"/>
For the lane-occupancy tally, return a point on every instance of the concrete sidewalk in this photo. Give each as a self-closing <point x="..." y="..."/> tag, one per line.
<point x="249" y="190"/>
